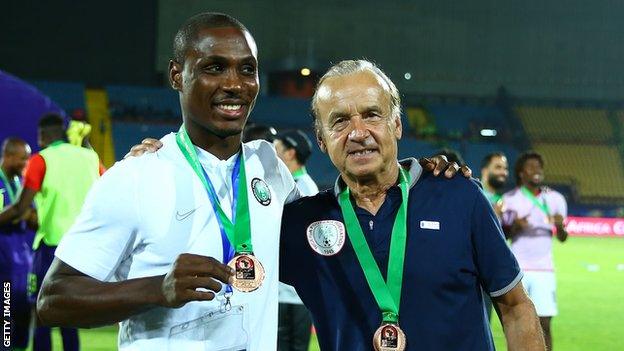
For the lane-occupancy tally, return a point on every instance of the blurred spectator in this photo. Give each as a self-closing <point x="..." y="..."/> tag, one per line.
<point x="254" y="131"/>
<point x="532" y="214"/>
<point x="494" y="175"/>
<point x="15" y="241"/>
<point x="294" y="326"/>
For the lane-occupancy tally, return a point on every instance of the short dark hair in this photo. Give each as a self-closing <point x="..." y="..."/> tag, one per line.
<point x="488" y="158"/>
<point x="298" y="141"/>
<point x="52" y="126"/>
<point x="522" y="160"/>
<point x="51" y="120"/>
<point x="188" y="32"/>
<point x="254" y="131"/>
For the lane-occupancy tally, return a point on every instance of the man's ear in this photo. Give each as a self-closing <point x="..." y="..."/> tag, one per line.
<point x="320" y="142"/>
<point x="290" y="154"/>
<point x="175" y="75"/>
<point x="398" y="127"/>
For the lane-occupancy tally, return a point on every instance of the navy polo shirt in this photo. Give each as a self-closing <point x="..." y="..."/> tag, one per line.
<point x="455" y="247"/>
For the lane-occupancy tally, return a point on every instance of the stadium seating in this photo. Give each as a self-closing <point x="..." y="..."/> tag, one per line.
<point x="69" y="96"/>
<point x="410" y="147"/>
<point x="596" y="170"/>
<point x="619" y="118"/>
<point x="282" y="112"/>
<point x="578" y="143"/>
<point x="159" y="104"/>
<point x="579" y="146"/>
<point x="127" y="134"/>
<point x="565" y="124"/>
<point x="455" y="119"/>
<point x="148" y="103"/>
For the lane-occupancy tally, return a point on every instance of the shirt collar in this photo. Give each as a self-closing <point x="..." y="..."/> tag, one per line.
<point x="211" y="160"/>
<point x="411" y="164"/>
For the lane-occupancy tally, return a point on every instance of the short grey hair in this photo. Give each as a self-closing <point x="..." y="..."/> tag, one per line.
<point x="347" y="67"/>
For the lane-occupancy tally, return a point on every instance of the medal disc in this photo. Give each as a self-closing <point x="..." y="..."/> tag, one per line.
<point x="389" y="337"/>
<point x="249" y="272"/>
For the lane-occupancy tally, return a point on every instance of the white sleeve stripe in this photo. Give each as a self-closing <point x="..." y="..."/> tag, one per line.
<point x="509" y="286"/>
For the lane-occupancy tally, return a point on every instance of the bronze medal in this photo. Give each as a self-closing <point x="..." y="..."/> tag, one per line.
<point x="389" y="337"/>
<point x="249" y="272"/>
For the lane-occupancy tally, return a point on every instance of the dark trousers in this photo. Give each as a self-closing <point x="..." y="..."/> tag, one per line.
<point x="15" y="262"/>
<point x="293" y="332"/>
<point x="42" y="336"/>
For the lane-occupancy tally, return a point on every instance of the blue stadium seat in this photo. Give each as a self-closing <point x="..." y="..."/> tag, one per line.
<point x="453" y="118"/>
<point x="282" y="112"/>
<point x="410" y="147"/>
<point x="150" y="102"/>
<point x="127" y="134"/>
<point x="69" y="96"/>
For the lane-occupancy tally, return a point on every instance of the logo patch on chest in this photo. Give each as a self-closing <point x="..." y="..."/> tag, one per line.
<point x="433" y="225"/>
<point x="326" y="237"/>
<point x="261" y="191"/>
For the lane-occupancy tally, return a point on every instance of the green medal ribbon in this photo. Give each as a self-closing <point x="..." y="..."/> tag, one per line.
<point x="542" y="205"/>
<point x="492" y="197"/>
<point x="299" y="173"/>
<point x="238" y="233"/>
<point x="386" y="294"/>
<point x="9" y="189"/>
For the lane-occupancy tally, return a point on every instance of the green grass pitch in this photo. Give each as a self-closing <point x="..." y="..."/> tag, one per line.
<point x="590" y="292"/>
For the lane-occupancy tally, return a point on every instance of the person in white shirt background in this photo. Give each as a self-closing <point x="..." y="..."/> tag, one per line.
<point x="532" y="214"/>
<point x="294" y="148"/>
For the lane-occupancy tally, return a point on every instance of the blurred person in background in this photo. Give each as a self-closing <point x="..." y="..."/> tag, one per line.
<point x="294" y="326"/>
<point x="253" y="131"/>
<point x="15" y="241"/>
<point x="57" y="179"/>
<point x="294" y="148"/>
<point x="494" y="174"/>
<point x="532" y="214"/>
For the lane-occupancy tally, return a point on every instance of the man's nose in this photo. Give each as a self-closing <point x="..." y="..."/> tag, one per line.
<point x="232" y="81"/>
<point x="360" y="130"/>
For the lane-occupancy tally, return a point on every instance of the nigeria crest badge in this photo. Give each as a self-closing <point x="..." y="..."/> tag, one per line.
<point x="326" y="237"/>
<point x="261" y="191"/>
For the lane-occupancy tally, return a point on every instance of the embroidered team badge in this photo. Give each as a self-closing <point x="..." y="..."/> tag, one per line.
<point x="261" y="191"/>
<point x="326" y="237"/>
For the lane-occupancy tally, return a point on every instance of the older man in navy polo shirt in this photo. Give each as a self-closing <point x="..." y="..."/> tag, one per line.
<point x="394" y="258"/>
